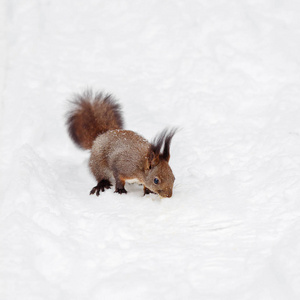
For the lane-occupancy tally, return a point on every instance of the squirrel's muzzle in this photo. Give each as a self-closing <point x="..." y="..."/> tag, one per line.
<point x="166" y="194"/>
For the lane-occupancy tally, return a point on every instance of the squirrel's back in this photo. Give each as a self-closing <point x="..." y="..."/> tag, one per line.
<point x="93" y="114"/>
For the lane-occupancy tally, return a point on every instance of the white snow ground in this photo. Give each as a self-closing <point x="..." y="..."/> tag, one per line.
<point x="228" y="74"/>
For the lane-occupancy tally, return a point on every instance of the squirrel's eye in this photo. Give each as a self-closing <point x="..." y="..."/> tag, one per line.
<point x="156" y="180"/>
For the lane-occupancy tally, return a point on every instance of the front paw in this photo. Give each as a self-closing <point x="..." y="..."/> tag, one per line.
<point x="121" y="191"/>
<point x="147" y="191"/>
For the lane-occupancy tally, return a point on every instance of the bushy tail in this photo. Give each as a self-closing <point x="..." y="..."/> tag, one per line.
<point x="93" y="114"/>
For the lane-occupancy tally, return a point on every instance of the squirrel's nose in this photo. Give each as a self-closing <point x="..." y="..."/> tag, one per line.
<point x="166" y="194"/>
<point x="169" y="194"/>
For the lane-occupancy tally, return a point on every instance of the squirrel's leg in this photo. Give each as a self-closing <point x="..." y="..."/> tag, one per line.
<point x="147" y="191"/>
<point x="120" y="183"/>
<point x="101" y="186"/>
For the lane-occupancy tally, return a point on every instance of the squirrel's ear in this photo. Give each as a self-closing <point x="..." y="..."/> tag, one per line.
<point x="157" y="143"/>
<point x="168" y="139"/>
<point x="164" y="138"/>
<point x="152" y="160"/>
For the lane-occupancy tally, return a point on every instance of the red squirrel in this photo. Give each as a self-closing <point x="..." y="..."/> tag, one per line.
<point x="96" y="123"/>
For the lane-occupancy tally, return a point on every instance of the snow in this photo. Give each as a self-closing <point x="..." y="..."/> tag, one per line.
<point x="227" y="73"/>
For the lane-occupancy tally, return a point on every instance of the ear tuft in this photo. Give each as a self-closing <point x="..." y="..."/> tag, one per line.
<point x="165" y="138"/>
<point x="168" y="139"/>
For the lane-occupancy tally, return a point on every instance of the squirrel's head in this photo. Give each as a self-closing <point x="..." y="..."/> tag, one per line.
<point x="159" y="176"/>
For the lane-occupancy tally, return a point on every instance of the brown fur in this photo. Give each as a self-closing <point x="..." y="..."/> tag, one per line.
<point x="92" y="115"/>
<point x="116" y="153"/>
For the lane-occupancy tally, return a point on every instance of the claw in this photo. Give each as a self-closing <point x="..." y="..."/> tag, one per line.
<point x="121" y="191"/>
<point x="101" y="186"/>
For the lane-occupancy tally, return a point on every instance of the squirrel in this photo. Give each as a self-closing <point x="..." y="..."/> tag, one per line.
<point x="96" y="122"/>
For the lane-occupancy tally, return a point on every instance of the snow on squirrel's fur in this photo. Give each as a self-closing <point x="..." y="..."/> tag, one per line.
<point x="96" y="122"/>
<point x="225" y="73"/>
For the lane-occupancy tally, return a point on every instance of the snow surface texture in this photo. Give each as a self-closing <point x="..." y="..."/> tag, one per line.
<point x="228" y="74"/>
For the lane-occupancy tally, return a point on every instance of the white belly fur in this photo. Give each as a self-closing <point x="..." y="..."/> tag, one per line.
<point x="135" y="180"/>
